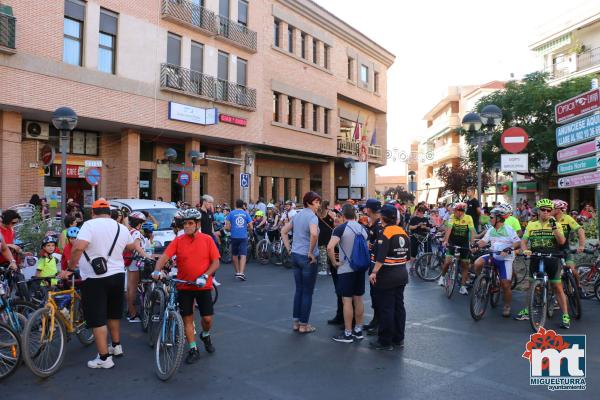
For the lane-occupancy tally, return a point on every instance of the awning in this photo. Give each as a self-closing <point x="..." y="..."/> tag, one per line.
<point x="433" y="195"/>
<point x="423" y="196"/>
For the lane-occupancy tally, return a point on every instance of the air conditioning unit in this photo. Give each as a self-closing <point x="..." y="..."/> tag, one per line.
<point x="37" y="130"/>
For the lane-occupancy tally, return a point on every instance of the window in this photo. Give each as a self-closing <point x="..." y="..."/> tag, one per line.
<point x="243" y="12"/>
<point x="107" y="41"/>
<point x="242" y="72"/>
<point x="376" y="82"/>
<point x="291" y="39"/>
<point x="290" y="110"/>
<point x="146" y="151"/>
<point x="73" y="32"/>
<point x="80" y="142"/>
<point x="276" y="26"/>
<point x="223" y="68"/>
<point x="315" y="51"/>
<point x="315" y="118"/>
<point x="224" y="8"/>
<point x="364" y="74"/>
<point x="197" y="57"/>
<point x="326" y="56"/>
<point x="326" y="121"/>
<point x="203" y="183"/>
<point x="174" y="49"/>
<point x="303" y="44"/>
<point x="303" y="106"/>
<point x="350" y="68"/>
<point x="276" y="106"/>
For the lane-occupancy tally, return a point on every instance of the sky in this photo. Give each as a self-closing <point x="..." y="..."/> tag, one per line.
<point x="447" y="43"/>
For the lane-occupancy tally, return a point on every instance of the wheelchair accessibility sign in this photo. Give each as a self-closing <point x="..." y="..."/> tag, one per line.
<point x="245" y="180"/>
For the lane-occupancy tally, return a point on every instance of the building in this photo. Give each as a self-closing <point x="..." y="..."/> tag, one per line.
<point x="569" y="46"/>
<point x="383" y="183"/>
<point x="441" y="144"/>
<point x="273" y="88"/>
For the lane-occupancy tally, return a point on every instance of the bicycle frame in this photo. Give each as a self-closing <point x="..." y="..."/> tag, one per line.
<point x="51" y="304"/>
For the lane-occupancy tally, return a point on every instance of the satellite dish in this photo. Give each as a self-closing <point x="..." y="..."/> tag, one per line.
<point x="349" y="162"/>
<point x="170" y="154"/>
<point x="195" y="156"/>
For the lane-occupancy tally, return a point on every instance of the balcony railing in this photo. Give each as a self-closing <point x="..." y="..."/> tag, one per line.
<point x="8" y="27"/>
<point x="190" y="14"/>
<point x="237" y="33"/>
<point x="574" y="63"/>
<point x="197" y="84"/>
<point x="352" y="147"/>
<point x="588" y="58"/>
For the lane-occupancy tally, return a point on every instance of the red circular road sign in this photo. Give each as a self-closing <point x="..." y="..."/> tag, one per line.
<point x="184" y="178"/>
<point x="514" y="140"/>
<point x="93" y="176"/>
<point x="47" y="155"/>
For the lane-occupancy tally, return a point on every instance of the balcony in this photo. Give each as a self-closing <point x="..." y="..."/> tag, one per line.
<point x="352" y="148"/>
<point x="574" y="63"/>
<point x="443" y="126"/>
<point x="237" y="34"/>
<point x="442" y="153"/>
<point x="193" y="83"/>
<point x="8" y="27"/>
<point x="199" y="18"/>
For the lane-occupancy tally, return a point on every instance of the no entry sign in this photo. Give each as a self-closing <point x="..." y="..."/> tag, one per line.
<point x="514" y="140"/>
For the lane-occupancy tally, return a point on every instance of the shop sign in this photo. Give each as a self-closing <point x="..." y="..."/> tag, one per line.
<point x="577" y="106"/>
<point x="93" y="163"/>
<point x="144" y="184"/>
<point x="514" y="162"/>
<point x="578" y="151"/>
<point x="584" y="164"/>
<point x="588" y="178"/>
<point x="579" y="131"/>
<point x="229" y="119"/>
<point x="73" y="171"/>
<point x="194" y="115"/>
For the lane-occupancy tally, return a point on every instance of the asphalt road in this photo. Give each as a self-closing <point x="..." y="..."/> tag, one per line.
<point x="446" y="355"/>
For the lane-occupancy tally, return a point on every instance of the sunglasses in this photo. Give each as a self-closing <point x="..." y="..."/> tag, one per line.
<point x="546" y="209"/>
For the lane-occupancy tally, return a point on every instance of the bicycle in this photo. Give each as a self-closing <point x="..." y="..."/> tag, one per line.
<point x="263" y="250"/>
<point x="589" y="275"/>
<point x="486" y="286"/>
<point x="144" y="287"/>
<point x="453" y="274"/>
<point x="569" y="284"/>
<point x="520" y="271"/>
<point x="541" y="296"/>
<point x="48" y="329"/>
<point x="13" y="312"/>
<point x="11" y="351"/>
<point x="170" y="340"/>
<point x="225" y="249"/>
<point x="428" y="265"/>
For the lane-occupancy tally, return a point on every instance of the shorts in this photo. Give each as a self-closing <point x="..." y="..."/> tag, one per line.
<point x="239" y="247"/>
<point x="504" y="266"/>
<point x="203" y="301"/>
<point x="570" y="259"/>
<point x="551" y="266"/>
<point x="102" y="299"/>
<point x="351" y="284"/>
<point x="463" y="254"/>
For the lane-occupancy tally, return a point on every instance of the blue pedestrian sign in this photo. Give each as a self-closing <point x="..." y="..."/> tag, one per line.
<point x="245" y="180"/>
<point x="184" y="178"/>
<point x="93" y="176"/>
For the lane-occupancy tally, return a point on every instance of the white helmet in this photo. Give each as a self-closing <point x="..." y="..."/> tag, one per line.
<point x="507" y="207"/>
<point x="138" y="215"/>
<point x="270" y="205"/>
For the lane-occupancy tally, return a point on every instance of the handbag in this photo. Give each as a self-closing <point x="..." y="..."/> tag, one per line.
<point x="100" y="264"/>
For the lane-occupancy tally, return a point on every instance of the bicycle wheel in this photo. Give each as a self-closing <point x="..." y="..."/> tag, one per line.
<point x="520" y="269"/>
<point x="11" y="351"/>
<point x="263" y="252"/>
<point x="84" y="334"/>
<point x="495" y="290"/>
<point x="23" y="307"/>
<point x="588" y="275"/>
<point x="286" y="258"/>
<point x="276" y="255"/>
<point x="572" y="293"/>
<point x="15" y="320"/>
<point x="157" y="309"/>
<point x="538" y="305"/>
<point x="146" y="304"/>
<point x="479" y="297"/>
<point x="226" y="252"/>
<point x="428" y="266"/>
<point x="214" y="294"/>
<point x="597" y="290"/>
<point x="169" y="346"/>
<point x="451" y="278"/>
<point x="44" y="343"/>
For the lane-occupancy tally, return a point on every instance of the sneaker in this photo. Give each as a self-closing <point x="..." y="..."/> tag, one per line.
<point x="506" y="311"/>
<point x="100" y="363"/>
<point x="322" y="272"/>
<point x="375" y="345"/>
<point x="372" y="331"/>
<point x="343" y="338"/>
<point x="441" y="281"/>
<point x="335" y="321"/>
<point x="208" y="346"/>
<point x="398" y="343"/>
<point x="242" y="277"/>
<point x="116" y="351"/>
<point x="216" y="282"/>
<point x="523" y="315"/>
<point x="193" y="356"/>
<point x="358" y="335"/>
<point x="566" y="321"/>
<point x="463" y="290"/>
<point x="135" y="318"/>
<point x="237" y="276"/>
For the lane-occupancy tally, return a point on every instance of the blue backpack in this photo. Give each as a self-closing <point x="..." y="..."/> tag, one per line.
<point x="360" y="259"/>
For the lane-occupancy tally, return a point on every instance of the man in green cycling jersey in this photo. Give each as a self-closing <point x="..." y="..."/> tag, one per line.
<point x="546" y="236"/>
<point x="569" y="225"/>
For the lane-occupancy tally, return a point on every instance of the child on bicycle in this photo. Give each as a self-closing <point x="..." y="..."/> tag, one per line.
<point x="260" y="225"/>
<point x="46" y="267"/>
<point x="71" y="235"/>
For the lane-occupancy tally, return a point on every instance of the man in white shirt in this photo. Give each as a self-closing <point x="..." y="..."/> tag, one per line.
<point x="103" y="282"/>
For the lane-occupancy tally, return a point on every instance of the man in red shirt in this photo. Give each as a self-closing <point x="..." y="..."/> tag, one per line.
<point x="197" y="257"/>
<point x="10" y="218"/>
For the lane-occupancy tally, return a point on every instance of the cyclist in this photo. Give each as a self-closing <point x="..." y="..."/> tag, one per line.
<point x="148" y="233"/>
<point x="546" y="236"/>
<point x="288" y="213"/>
<point x="418" y="226"/>
<point x="197" y="257"/>
<point x="511" y="220"/>
<point x="569" y="225"/>
<point x="46" y="266"/>
<point x="272" y="224"/>
<point x="6" y="253"/>
<point x="72" y="233"/>
<point x="460" y="232"/>
<point x="260" y="225"/>
<point x="502" y="238"/>
<point x="136" y="219"/>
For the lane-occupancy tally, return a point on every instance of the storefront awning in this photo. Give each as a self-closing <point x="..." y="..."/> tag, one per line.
<point x="433" y="195"/>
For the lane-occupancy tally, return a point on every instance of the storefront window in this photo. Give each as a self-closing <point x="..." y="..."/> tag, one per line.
<point x="146" y="151"/>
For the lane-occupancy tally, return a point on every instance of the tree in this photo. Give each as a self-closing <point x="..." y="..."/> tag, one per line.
<point x="528" y="104"/>
<point x="399" y="193"/>
<point x="457" y="179"/>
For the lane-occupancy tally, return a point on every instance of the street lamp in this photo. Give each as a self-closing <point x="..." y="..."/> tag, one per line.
<point x="411" y="187"/>
<point x="496" y="170"/>
<point x="472" y="122"/>
<point x="64" y="120"/>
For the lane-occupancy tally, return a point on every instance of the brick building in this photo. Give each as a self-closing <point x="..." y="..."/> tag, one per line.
<point x="289" y="81"/>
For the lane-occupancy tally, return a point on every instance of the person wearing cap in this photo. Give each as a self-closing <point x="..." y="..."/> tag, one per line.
<point x="389" y="277"/>
<point x="372" y="208"/>
<point x="102" y="292"/>
<point x="136" y="220"/>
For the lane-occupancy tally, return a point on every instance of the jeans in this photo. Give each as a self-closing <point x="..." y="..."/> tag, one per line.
<point x="392" y="315"/>
<point x="305" y="276"/>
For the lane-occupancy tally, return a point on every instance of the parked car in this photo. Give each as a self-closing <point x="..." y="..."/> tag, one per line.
<point x="163" y="213"/>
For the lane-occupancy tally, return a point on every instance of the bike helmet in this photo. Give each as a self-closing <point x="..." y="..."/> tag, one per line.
<point x="148" y="226"/>
<point x="137" y="215"/>
<point x="72" y="232"/>
<point x="560" y="204"/>
<point x="545" y="203"/>
<point x="288" y="203"/>
<point x="49" y="239"/>
<point x="460" y="206"/>
<point x="260" y="213"/>
<point x="508" y="207"/>
<point x="499" y="212"/>
<point x="191" y="214"/>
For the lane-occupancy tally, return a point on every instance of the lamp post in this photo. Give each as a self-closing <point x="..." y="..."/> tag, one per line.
<point x="64" y="120"/>
<point x="496" y="170"/>
<point x="472" y="122"/>
<point x="427" y="188"/>
<point x="411" y="187"/>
